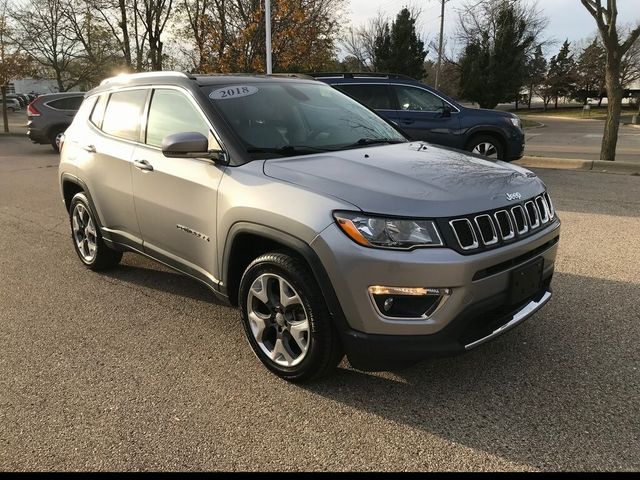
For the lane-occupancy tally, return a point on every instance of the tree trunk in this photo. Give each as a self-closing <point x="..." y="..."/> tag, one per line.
<point x="530" y="95"/>
<point x="4" y="108"/>
<point x="614" y="107"/>
<point x="126" y="45"/>
<point x="600" y="101"/>
<point x="516" y="103"/>
<point x="556" y="103"/>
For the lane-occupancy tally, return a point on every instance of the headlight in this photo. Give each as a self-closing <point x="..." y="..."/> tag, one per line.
<point x="516" y="122"/>
<point x="383" y="232"/>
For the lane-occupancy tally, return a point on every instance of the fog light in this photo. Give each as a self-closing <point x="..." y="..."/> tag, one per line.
<point x="408" y="302"/>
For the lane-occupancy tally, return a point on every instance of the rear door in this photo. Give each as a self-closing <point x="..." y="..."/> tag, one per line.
<point x="176" y="198"/>
<point x="376" y="96"/>
<point x="421" y="115"/>
<point x="108" y="147"/>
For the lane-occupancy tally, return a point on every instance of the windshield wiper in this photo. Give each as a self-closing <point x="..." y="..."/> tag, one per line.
<point x="290" y="150"/>
<point x="374" y="141"/>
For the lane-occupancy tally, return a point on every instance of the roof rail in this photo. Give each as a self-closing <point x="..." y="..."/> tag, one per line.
<point x="396" y="76"/>
<point x="124" y="77"/>
<point x="292" y="75"/>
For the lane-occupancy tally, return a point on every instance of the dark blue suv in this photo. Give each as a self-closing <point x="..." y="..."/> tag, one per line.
<point x="426" y="114"/>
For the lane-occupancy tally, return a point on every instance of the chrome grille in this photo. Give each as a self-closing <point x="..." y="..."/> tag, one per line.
<point x="488" y="229"/>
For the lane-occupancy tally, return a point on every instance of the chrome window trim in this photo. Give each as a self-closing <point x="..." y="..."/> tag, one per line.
<point x="392" y="84"/>
<point x="473" y="233"/>
<point x="535" y="209"/>
<point x="512" y="230"/>
<point x="47" y="103"/>
<point x="150" y="88"/>
<point x="524" y="218"/>
<point x="494" y="240"/>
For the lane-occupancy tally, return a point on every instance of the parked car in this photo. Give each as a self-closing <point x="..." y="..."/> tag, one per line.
<point x="19" y="99"/>
<point x="427" y="114"/>
<point x="50" y="115"/>
<point x="330" y="230"/>
<point x="13" y="105"/>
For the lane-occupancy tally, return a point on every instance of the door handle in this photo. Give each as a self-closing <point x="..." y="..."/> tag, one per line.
<point x="407" y="121"/>
<point x="143" y="165"/>
<point x="89" y="148"/>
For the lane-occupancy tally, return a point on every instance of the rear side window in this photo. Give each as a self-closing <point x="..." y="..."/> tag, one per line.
<point x="373" y="96"/>
<point x="171" y="112"/>
<point x="68" y="103"/>
<point x="417" y="99"/>
<point x="122" y="116"/>
<point x="98" y="112"/>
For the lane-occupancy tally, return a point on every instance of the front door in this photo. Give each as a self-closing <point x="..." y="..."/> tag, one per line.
<point x="176" y="198"/>
<point x="423" y="116"/>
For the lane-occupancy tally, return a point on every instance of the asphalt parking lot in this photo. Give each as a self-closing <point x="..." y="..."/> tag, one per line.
<point x="139" y="368"/>
<point x="577" y="138"/>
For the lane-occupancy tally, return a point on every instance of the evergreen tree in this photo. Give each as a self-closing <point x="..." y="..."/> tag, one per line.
<point x="589" y="72"/>
<point x="493" y="63"/>
<point x="536" y="71"/>
<point x="561" y="75"/>
<point x="399" y="50"/>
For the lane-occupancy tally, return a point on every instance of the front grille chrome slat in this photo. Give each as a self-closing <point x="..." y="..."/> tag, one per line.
<point x="532" y="214"/>
<point x="543" y="209"/>
<point x="486" y="229"/>
<point x="504" y="222"/>
<point x="520" y="218"/>
<point x="465" y="234"/>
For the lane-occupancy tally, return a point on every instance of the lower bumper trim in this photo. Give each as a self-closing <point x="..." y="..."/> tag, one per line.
<point x="529" y="309"/>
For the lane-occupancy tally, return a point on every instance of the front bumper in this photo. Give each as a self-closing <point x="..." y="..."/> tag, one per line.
<point x="476" y="310"/>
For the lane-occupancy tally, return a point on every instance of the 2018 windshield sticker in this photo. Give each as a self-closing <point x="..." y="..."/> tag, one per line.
<point x="233" y="91"/>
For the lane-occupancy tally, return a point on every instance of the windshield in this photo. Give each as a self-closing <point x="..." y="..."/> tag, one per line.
<point x="285" y="119"/>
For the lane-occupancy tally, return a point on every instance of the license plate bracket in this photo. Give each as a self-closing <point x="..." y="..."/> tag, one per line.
<point x="526" y="281"/>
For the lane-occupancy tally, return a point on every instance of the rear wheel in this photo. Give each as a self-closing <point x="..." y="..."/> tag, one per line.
<point x="86" y="236"/>
<point x="55" y="138"/>
<point x="286" y="320"/>
<point x="487" y="146"/>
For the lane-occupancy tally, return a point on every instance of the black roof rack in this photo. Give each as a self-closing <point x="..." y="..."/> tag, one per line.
<point x="396" y="76"/>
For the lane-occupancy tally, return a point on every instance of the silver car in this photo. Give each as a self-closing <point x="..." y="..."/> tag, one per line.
<point x="331" y="231"/>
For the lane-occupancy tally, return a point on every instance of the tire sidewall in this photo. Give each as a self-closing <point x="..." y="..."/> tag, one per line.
<point x="487" y="139"/>
<point x="309" y="302"/>
<point x="82" y="199"/>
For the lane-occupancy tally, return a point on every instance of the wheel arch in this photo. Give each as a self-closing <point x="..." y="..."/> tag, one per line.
<point x="246" y="241"/>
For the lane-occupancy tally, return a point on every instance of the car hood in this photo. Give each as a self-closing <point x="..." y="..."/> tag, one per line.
<point x="408" y="179"/>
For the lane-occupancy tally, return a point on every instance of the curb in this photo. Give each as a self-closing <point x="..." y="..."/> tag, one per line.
<point x="12" y="134"/>
<point x="603" y="166"/>
<point x="554" y="117"/>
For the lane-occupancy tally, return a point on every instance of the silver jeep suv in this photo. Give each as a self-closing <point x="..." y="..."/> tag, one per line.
<point x="330" y="230"/>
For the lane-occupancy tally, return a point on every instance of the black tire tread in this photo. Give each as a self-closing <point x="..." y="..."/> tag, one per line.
<point x="330" y="356"/>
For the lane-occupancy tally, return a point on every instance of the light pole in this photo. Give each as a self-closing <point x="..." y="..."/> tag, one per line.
<point x="439" y="64"/>
<point x="267" y="25"/>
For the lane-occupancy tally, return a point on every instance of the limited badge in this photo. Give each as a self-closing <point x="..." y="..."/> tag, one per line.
<point x="233" y="91"/>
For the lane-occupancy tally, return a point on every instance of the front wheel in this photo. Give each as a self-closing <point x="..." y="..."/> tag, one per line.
<point x="286" y="320"/>
<point x="487" y="146"/>
<point x="86" y="236"/>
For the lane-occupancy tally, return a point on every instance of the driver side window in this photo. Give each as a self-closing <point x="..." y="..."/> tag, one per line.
<point x="417" y="99"/>
<point x="171" y="112"/>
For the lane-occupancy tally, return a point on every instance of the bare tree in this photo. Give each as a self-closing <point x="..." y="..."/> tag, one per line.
<point x="153" y="15"/>
<point x="13" y="63"/>
<point x="606" y="19"/>
<point x="43" y="30"/>
<point x="361" y="41"/>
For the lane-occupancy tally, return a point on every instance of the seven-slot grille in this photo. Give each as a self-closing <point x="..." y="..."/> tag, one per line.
<point x="488" y="229"/>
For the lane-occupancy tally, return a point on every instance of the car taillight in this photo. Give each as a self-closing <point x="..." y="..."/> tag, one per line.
<point x="32" y="111"/>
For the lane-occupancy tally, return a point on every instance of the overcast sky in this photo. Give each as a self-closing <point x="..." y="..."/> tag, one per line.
<point x="567" y="18"/>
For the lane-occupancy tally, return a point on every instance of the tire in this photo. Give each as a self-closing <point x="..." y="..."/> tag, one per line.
<point x="86" y="236"/>
<point x="282" y="318"/>
<point x="486" y="143"/>
<point x="54" y="139"/>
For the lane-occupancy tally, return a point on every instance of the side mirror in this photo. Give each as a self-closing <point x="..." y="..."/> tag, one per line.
<point x="446" y="110"/>
<point x="189" y="145"/>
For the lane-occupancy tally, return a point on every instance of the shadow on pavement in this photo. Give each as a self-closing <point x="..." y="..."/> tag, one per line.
<point x="551" y="394"/>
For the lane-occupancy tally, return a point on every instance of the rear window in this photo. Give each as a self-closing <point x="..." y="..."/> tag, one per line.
<point x="67" y="103"/>
<point x="122" y="116"/>
<point x="373" y="96"/>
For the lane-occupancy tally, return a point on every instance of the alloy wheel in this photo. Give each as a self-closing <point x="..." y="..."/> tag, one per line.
<point x="278" y="320"/>
<point x="486" y="149"/>
<point x="84" y="233"/>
